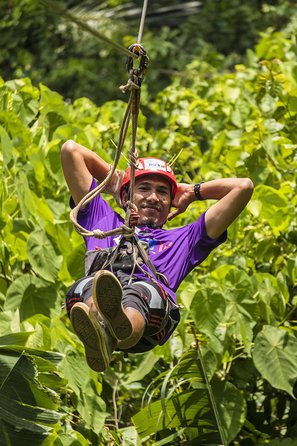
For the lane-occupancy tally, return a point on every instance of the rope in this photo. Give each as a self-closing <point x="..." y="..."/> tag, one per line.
<point x="124" y="229"/>
<point x="132" y="111"/>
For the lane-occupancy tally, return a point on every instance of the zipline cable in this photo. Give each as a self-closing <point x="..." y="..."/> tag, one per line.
<point x="141" y="26"/>
<point x="95" y="33"/>
<point x="57" y="9"/>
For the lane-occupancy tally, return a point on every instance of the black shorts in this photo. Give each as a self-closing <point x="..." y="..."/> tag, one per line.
<point x="161" y="315"/>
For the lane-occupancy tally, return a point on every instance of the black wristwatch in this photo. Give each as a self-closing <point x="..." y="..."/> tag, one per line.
<point x="197" y="191"/>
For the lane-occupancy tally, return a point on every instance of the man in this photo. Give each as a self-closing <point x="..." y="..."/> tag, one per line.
<point x="134" y="310"/>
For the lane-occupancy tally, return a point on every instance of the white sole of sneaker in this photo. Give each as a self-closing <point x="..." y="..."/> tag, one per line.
<point x="91" y="336"/>
<point x="107" y="296"/>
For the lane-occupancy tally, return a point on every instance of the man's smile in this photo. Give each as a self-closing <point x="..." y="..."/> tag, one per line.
<point x="151" y="207"/>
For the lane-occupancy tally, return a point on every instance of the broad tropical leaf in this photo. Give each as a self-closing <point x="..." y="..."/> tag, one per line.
<point x="42" y="256"/>
<point x="189" y="409"/>
<point x="275" y="356"/>
<point x="30" y="295"/>
<point x="231" y="406"/>
<point x="27" y="410"/>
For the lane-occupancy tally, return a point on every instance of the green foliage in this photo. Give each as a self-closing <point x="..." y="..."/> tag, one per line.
<point x="28" y="409"/>
<point x="38" y="42"/>
<point x="234" y="26"/>
<point x="274" y="356"/>
<point x="240" y="304"/>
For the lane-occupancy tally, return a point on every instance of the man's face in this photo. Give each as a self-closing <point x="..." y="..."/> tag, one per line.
<point x="153" y="200"/>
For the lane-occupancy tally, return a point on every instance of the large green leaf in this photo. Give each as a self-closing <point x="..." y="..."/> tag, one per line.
<point x="208" y="308"/>
<point x="49" y="356"/>
<point x="226" y="302"/>
<point x="30" y="295"/>
<point x="90" y="406"/>
<point x="272" y="304"/>
<point x="275" y="356"/>
<point x="74" y="368"/>
<point x="231" y="405"/>
<point x="241" y="305"/>
<point x="19" y="338"/>
<point x="270" y="204"/>
<point x="27" y="410"/>
<point x="92" y="409"/>
<point x="144" y="368"/>
<point x="185" y="410"/>
<point x="42" y="256"/>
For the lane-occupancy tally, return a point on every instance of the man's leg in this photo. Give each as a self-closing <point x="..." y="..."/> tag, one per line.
<point x="98" y="318"/>
<point x="142" y="306"/>
<point x="89" y="327"/>
<point x="125" y="324"/>
<point x="98" y="343"/>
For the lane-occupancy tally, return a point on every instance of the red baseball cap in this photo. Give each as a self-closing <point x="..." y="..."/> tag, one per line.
<point x="149" y="166"/>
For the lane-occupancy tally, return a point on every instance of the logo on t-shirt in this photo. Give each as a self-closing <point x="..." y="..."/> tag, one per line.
<point x="145" y="236"/>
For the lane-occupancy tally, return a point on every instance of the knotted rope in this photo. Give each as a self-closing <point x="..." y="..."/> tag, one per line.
<point x="125" y="229"/>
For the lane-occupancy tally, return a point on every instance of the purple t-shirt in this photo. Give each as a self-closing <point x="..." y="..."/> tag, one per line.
<point x="174" y="252"/>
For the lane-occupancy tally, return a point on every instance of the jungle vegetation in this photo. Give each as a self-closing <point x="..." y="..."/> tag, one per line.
<point x="220" y="95"/>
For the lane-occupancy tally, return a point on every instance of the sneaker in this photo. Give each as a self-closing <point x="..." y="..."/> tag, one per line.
<point x="107" y="297"/>
<point x="98" y="343"/>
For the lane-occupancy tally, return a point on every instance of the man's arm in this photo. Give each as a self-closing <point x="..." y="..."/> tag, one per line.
<point x="80" y="165"/>
<point x="232" y="194"/>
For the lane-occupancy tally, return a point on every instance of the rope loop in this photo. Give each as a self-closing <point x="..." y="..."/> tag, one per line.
<point x="132" y="206"/>
<point x="130" y="85"/>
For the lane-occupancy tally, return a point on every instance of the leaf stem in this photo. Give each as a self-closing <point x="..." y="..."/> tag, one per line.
<point x="209" y="388"/>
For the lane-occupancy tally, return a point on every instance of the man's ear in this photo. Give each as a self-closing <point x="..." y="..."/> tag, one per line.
<point x="124" y="198"/>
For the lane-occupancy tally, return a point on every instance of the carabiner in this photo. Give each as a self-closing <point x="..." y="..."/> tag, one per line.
<point x="140" y="72"/>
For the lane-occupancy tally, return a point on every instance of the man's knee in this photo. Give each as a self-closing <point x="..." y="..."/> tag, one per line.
<point x="80" y="291"/>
